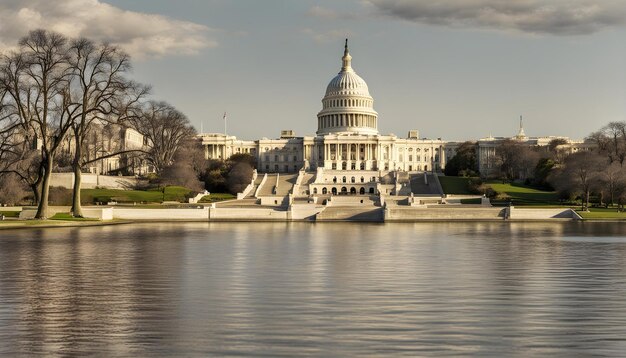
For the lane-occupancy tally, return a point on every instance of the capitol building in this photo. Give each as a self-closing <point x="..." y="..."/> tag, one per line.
<point x="348" y="148"/>
<point x="347" y="137"/>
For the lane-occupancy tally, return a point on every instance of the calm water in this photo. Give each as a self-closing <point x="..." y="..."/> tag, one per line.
<point x="315" y="289"/>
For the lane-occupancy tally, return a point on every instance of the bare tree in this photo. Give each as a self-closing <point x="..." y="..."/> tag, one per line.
<point x="165" y="128"/>
<point x="19" y="152"/>
<point x="187" y="167"/>
<point x="11" y="189"/>
<point x="100" y="96"/>
<point x="516" y="160"/>
<point x="611" y="141"/>
<point x="609" y="180"/>
<point x="36" y="80"/>
<point x="578" y="175"/>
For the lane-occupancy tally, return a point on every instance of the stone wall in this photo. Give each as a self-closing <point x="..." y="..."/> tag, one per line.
<point x="160" y="214"/>
<point x="242" y="214"/>
<point x="448" y="213"/>
<point x="91" y="181"/>
<point x="541" y="214"/>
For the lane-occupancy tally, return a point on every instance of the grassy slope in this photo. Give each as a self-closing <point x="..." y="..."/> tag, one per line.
<point x="455" y="185"/>
<point x="524" y="195"/>
<point x="172" y="193"/>
<point x="215" y="197"/>
<point x="601" y="213"/>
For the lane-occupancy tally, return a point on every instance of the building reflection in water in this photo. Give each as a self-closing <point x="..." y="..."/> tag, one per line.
<point x="318" y="289"/>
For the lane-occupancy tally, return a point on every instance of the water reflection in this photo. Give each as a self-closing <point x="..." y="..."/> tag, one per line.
<point x="315" y="289"/>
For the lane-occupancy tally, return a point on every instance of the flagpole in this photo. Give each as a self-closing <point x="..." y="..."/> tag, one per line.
<point x="225" y="123"/>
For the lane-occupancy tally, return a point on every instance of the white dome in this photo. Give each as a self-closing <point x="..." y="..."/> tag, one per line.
<point x="347" y="83"/>
<point x="347" y="106"/>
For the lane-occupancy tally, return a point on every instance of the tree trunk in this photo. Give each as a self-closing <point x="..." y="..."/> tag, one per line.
<point x="35" y="189"/>
<point x="77" y="210"/>
<point x="42" y="208"/>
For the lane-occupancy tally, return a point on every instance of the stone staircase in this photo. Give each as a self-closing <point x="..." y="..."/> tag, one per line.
<point x="267" y="189"/>
<point x="277" y="184"/>
<point x="285" y="183"/>
<point x="420" y="187"/>
<point x="257" y="182"/>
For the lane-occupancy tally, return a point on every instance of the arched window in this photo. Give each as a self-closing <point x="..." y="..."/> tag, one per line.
<point x="324" y="191"/>
<point x="334" y="191"/>
<point x="362" y="191"/>
<point x="362" y="180"/>
<point x="344" y="190"/>
<point x="344" y="180"/>
<point x="334" y="179"/>
<point x="352" y="180"/>
<point x="314" y="190"/>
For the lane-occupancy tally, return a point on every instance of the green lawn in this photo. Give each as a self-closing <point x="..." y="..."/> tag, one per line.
<point x="215" y="197"/>
<point x="10" y="214"/>
<point x="172" y="193"/>
<point x="525" y="195"/>
<point x="68" y="217"/>
<point x="455" y="185"/>
<point x="602" y="213"/>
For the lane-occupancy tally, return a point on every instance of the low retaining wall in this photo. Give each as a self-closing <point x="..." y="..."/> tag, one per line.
<point x="305" y="211"/>
<point x="160" y="214"/>
<point x="29" y="212"/>
<point x="541" y="214"/>
<point x="91" y="181"/>
<point x="274" y="200"/>
<point x="247" y="214"/>
<point x="434" y="214"/>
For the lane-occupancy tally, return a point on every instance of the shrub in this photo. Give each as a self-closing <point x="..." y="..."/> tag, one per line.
<point x="12" y="190"/>
<point x="60" y="196"/>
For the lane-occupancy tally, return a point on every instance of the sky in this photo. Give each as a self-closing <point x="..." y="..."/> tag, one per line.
<point x="452" y="69"/>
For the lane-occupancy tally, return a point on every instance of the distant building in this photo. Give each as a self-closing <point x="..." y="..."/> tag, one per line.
<point x="488" y="161"/>
<point x="104" y="140"/>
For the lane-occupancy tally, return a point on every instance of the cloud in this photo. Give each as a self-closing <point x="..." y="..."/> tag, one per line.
<point x="327" y="36"/>
<point x="556" y="17"/>
<point x="142" y="35"/>
<point x="325" y="13"/>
